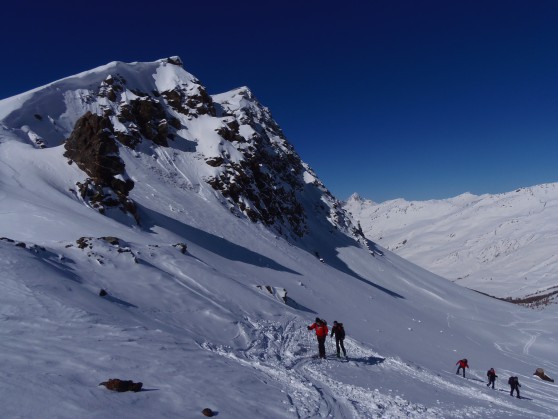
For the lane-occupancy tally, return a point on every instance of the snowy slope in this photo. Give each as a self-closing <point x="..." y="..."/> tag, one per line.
<point x="198" y="326"/>
<point x="503" y="244"/>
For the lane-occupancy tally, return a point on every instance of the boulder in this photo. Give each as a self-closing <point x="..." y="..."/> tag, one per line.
<point x="539" y="372"/>
<point x="208" y="412"/>
<point x="116" y="384"/>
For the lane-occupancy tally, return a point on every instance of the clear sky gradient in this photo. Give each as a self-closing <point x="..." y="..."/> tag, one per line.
<point x="412" y="99"/>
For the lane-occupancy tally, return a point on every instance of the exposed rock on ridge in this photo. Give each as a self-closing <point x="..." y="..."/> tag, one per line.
<point x="92" y="146"/>
<point x="265" y="184"/>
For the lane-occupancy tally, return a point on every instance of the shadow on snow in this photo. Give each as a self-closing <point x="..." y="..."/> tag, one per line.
<point x="215" y="244"/>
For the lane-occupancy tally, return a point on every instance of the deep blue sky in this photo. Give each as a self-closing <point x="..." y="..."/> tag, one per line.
<point x="413" y="99"/>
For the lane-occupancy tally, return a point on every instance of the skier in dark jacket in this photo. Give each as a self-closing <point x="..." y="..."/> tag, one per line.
<point x="462" y="365"/>
<point x="339" y="333"/>
<point x="514" y="385"/>
<point x="321" y="334"/>
<point x="491" y="374"/>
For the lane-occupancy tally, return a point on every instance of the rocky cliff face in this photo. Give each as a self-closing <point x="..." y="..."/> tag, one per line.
<point x="92" y="145"/>
<point x="265" y="183"/>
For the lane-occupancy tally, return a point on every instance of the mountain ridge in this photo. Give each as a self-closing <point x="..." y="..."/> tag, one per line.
<point x="499" y="244"/>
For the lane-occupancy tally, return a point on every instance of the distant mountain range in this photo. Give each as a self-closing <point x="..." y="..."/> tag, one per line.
<point x="503" y="245"/>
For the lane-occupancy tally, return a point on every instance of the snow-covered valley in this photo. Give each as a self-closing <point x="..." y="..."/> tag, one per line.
<point x="194" y="269"/>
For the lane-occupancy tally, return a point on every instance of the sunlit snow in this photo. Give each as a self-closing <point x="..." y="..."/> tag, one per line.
<point x="196" y="329"/>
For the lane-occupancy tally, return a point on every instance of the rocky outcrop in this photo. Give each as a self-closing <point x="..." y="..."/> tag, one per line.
<point x="539" y="372"/>
<point x="92" y="146"/>
<point x="111" y="87"/>
<point x="115" y="384"/>
<point x="266" y="183"/>
<point x="208" y="412"/>
<point x="193" y="102"/>
<point x="144" y="117"/>
<point x="98" y="248"/>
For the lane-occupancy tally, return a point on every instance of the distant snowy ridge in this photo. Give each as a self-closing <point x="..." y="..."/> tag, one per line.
<point x="504" y="244"/>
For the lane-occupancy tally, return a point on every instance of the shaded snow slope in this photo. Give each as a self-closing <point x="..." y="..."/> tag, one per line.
<point x="502" y="244"/>
<point x="188" y="312"/>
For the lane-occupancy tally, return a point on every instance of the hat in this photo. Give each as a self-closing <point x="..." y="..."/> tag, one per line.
<point x="334" y="321"/>
<point x="317" y="319"/>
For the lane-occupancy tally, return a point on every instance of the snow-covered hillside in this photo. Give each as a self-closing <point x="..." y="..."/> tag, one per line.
<point x="200" y="219"/>
<point x="504" y="245"/>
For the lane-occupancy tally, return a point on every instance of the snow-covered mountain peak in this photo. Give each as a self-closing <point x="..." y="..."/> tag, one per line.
<point x="46" y="115"/>
<point x="108" y="117"/>
<point x="356" y="199"/>
<point x="234" y="97"/>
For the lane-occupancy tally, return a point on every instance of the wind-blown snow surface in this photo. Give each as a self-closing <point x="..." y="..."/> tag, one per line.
<point x="504" y="245"/>
<point x="198" y="332"/>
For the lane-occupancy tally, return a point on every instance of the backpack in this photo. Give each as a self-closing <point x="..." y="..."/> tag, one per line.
<point x="341" y="331"/>
<point x="513" y="380"/>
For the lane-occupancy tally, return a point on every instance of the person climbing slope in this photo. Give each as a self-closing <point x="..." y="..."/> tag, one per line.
<point x="321" y="333"/>
<point x="339" y="333"/>
<point x="491" y="374"/>
<point x="514" y="385"/>
<point x="462" y="365"/>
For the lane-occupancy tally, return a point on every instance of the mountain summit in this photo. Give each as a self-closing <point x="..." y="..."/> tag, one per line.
<point x="120" y="113"/>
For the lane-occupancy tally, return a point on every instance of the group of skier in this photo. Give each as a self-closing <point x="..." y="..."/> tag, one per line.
<point x="320" y="326"/>
<point x="491" y="374"/>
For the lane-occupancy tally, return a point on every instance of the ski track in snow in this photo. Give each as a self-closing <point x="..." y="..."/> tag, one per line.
<point x="530" y="343"/>
<point x="286" y="354"/>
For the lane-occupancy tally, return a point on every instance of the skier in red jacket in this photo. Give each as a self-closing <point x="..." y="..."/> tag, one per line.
<point x="462" y="365"/>
<point x="321" y="333"/>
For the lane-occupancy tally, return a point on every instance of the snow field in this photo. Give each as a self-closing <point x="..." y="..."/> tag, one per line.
<point x="193" y="326"/>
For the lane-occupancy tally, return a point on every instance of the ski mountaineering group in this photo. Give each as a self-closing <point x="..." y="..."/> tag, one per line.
<point x="491" y="374"/>
<point x="321" y="329"/>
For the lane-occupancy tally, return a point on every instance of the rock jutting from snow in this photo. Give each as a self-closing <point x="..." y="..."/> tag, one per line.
<point x="116" y="384"/>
